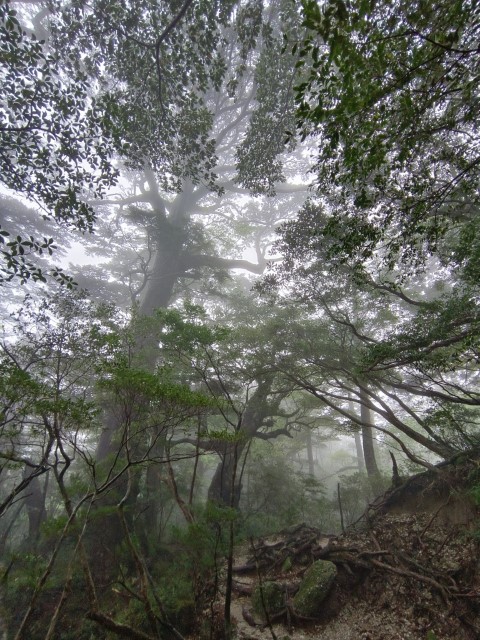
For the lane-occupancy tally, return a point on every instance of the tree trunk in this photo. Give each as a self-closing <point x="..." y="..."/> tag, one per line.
<point x="254" y="414"/>
<point x="169" y="239"/>
<point x="221" y="490"/>
<point x="358" y="441"/>
<point x="153" y="484"/>
<point x="369" y="451"/>
<point x="359" y="450"/>
<point x="367" y="436"/>
<point x="166" y="271"/>
<point x="311" y="462"/>
<point x="35" y="505"/>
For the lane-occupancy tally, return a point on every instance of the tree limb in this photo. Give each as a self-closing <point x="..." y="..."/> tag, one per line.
<point x="270" y="435"/>
<point x="215" y="262"/>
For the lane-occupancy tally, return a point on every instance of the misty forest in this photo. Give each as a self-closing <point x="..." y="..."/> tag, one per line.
<point x="240" y="319"/>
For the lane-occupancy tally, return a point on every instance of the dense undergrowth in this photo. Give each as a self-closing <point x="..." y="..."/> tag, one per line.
<point x="421" y="538"/>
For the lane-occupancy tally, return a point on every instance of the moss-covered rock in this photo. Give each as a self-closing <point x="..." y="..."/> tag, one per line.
<point x="314" y="588"/>
<point x="270" y="597"/>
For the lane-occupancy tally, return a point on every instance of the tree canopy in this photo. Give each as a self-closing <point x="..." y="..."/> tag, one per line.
<point x="390" y="89"/>
<point x="56" y="144"/>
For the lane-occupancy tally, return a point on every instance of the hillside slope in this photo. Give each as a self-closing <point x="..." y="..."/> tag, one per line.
<point x="408" y="570"/>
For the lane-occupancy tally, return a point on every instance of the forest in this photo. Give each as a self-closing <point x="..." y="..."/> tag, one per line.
<point x="240" y="315"/>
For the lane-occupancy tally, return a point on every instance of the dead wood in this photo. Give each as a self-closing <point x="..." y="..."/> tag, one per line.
<point x="412" y="574"/>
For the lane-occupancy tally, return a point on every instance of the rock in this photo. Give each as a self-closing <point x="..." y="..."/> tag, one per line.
<point x="270" y="597"/>
<point x="314" y="588"/>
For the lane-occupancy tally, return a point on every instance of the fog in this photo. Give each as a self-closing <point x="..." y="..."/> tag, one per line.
<point x="239" y="289"/>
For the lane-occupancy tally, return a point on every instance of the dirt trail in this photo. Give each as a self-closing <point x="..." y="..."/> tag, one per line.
<point x="410" y="570"/>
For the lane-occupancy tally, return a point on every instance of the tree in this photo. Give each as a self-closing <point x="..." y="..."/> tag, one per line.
<point x="426" y="351"/>
<point x="69" y="359"/>
<point x="426" y="363"/>
<point x="56" y="145"/>
<point x="249" y="401"/>
<point x="204" y="129"/>
<point x="247" y="396"/>
<point x="49" y="357"/>
<point x="390" y="90"/>
<point x="216" y="129"/>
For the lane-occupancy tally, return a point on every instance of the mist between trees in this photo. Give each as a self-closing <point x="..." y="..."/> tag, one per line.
<point x="278" y="204"/>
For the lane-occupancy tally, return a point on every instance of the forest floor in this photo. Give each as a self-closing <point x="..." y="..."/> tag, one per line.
<point x="408" y="570"/>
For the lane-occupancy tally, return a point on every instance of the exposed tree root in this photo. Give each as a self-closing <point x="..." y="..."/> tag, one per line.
<point x="369" y="555"/>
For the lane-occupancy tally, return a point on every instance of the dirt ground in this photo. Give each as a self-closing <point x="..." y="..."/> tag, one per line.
<point x="409" y="570"/>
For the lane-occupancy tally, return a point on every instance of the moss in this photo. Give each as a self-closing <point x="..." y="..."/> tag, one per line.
<point x="287" y="565"/>
<point x="273" y="600"/>
<point x="314" y="588"/>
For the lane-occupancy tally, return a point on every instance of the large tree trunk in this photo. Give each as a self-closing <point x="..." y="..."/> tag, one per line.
<point x="367" y="442"/>
<point x="167" y="269"/>
<point x="150" y="507"/>
<point x="368" y="426"/>
<point x="225" y="488"/>
<point x="168" y="236"/>
<point x="359" y="451"/>
<point x="358" y="442"/>
<point x="369" y="451"/>
<point x="367" y="436"/>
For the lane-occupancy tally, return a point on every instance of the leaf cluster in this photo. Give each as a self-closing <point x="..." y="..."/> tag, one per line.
<point x="154" y="63"/>
<point x="55" y="143"/>
<point x="389" y="88"/>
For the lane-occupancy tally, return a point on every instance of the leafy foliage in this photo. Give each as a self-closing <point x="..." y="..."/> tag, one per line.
<point x="259" y="163"/>
<point x="55" y="144"/>
<point x="155" y="64"/>
<point x="390" y="90"/>
<point x="386" y="89"/>
<point x="442" y="336"/>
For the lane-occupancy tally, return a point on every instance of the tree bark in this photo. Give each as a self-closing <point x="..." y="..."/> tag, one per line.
<point x="167" y="269"/>
<point x="221" y="490"/>
<point x="359" y="450"/>
<point x="367" y="436"/>
<point x="254" y="414"/>
<point x="358" y="442"/>
<point x="35" y="505"/>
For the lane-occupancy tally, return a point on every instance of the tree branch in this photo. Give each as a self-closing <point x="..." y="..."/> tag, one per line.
<point x="215" y="262"/>
<point x="270" y="435"/>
